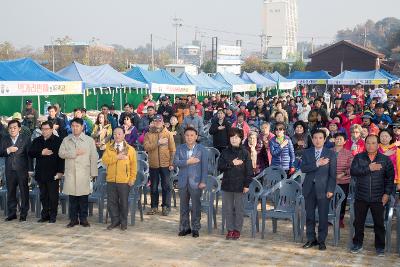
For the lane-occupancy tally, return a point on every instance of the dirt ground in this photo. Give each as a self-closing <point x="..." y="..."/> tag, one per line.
<point x="154" y="242"/>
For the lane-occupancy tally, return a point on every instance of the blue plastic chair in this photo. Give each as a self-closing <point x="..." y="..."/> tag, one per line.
<point x="207" y="201"/>
<point x="134" y="199"/>
<point x="389" y="209"/>
<point x="173" y="180"/>
<point x="99" y="194"/>
<point x="298" y="176"/>
<point x="289" y="203"/>
<point x="213" y="157"/>
<point x="272" y="176"/>
<point x="250" y="207"/>
<point x="142" y="155"/>
<point x="63" y="198"/>
<point x="34" y="197"/>
<point x="3" y="190"/>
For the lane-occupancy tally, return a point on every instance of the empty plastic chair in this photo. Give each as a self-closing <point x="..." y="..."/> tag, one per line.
<point x="288" y="206"/>
<point x="142" y="155"/>
<point x="298" y="176"/>
<point x="213" y="157"/>
<point x="99" y="194"/>
<point x="173" y="180"/>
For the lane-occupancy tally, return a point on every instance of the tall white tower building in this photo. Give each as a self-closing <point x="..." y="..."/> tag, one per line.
<point x="280" y="25"/>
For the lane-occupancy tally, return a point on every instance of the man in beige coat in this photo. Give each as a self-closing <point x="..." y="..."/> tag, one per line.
<point x="80" y="154"/>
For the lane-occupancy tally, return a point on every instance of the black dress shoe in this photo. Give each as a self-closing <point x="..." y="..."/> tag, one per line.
<point x="52" y="221"/>
<point x="112" y="226"/>
<point x="310" y="244"/>
<point x="10" y="218"/>
<point x="72" y="224"/>
<point x="22" y="219"/>
<point x="85" y="223"/>
<point x="123" y="227"/>
<point x="185" y="232"/>
<point x="42" y="220"/>
<point x="322" y="246"/>
<point x="195" y="234"/>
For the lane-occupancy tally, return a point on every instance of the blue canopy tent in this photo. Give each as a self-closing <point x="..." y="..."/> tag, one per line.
<point x="102" y="77"/>
<point x="204" y="83"/>
<point x="235" y="83"/>
<point x="161" y="81"/>
<point x="282" y="82"/>
<point x="25" y="77"/>
<point x="373" y="77"/>
<point x="260" y="80"/>
<point x="392" y="78"/>
<point x="310" y="77"/>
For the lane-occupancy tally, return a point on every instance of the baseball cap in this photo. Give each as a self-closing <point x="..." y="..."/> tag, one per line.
<point x="379" y="105"/>
<point x="164" y="98"/>
<point x="159" y="118"/>
<point x="28" y="101"/>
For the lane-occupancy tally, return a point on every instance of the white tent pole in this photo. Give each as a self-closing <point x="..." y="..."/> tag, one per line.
<point x="39" y="104"/>
<point x="84" y="98"/>
<point x="120" y="99"/>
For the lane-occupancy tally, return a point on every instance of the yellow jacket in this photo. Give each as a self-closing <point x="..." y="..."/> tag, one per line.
<point x="118" y="170"/>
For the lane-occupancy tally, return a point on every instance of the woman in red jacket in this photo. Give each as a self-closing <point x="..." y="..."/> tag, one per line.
<point x="349" y="117"/>
<point x="355" y="144"/>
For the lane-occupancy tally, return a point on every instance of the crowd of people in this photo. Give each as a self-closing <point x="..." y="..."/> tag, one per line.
<point x="331" y="142"/>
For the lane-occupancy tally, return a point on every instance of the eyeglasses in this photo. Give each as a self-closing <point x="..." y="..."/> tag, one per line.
<point x="280" y="129"/>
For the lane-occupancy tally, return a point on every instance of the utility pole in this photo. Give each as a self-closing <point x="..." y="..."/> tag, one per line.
<point x="263" y="40"/>
<point x="365" y="36"/>
<point x="152" y="51"/>
<point x="177" y="23"/>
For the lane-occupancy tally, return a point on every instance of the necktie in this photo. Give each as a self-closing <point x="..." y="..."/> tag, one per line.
<point x="317" y="155"/>
<point x="118" y="148"/>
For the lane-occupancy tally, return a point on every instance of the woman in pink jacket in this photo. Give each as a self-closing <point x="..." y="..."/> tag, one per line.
<point x="241" y="123"/>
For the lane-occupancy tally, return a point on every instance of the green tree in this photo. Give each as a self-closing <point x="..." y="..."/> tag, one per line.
<point x="209" y="67"/>
<point x="255" y="64"/>
<point x="298" y="65"/>
<point x="281" y="67"/>
<point x="7" y="51"/>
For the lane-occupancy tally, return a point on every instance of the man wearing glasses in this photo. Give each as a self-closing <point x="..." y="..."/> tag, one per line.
<point x="49" y="169"/>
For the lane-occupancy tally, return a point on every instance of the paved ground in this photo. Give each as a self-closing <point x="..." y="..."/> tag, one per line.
<point x="154" y="242"/>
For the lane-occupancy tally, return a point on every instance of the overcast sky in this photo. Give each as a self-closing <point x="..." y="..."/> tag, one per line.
<point x="130" y="22"/>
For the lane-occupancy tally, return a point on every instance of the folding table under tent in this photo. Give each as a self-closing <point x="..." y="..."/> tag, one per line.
<point x="25" y="78"/>
<point x="103" y="84"/>
<point x="205" y="85"/>
<point x="161" y="82"/>
<point x="310" y="77"/>
<point x="261" y="81"/>
<point x="236" y="84"/>
<point x="373" y="77"/>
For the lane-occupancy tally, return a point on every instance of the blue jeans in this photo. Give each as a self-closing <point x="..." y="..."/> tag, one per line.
<point x="155" y="175"/>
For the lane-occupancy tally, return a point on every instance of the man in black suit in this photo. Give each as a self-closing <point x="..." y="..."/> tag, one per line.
<point x="319" y="165"/>
<point x="15" y="149"/>
<point x="48" y="170"/>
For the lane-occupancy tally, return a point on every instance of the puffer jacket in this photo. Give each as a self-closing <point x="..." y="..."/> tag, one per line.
<point x="370" y="186"/>
<point x="220" y="137"/>
<point x="159" y="155"/>
<point x="235" y="178"/>
<point x="118" y="170"/>
<point x="282" y="157"/>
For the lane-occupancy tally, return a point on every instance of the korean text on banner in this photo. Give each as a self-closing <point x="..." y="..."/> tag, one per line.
<point x="31" y="88"/>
